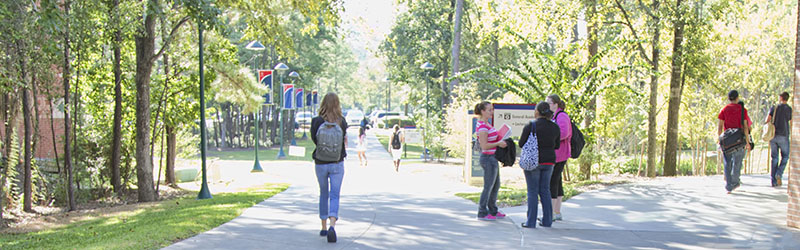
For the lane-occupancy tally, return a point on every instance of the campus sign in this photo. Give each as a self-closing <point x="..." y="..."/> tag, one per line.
<point x="516" y="116"/>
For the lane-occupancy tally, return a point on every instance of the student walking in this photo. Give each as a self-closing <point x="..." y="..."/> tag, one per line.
<point x="734" y="138"/>
<point x="361" y="148"/>
<point x="563" y="152"/>
<point x="488" y="141"/>
<point x="396" y="146"/>
<point x="781" y="115"/>
<point x="548" y="136"/>
<point x="330" y="137"/>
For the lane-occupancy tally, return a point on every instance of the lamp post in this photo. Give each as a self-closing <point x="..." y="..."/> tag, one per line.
<point x="294" y="75"/>
<point x="427" y="67"/>
<point x="281" y="68"/>
<point x="256" y="46"/>
<point x="388" y="94"/>
<point x="204" y="192"/>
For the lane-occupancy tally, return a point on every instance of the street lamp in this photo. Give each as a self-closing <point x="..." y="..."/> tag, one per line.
<point x="427" y="67"/>
<point x="256" y="46"/>
<point x="294" y="75"/>
<point x="388" y="94"/>
<point x="281" y="68"/>
<point x="204" y="191"/>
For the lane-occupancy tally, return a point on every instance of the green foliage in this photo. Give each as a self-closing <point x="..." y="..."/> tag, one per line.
<point x="150" y="227"/>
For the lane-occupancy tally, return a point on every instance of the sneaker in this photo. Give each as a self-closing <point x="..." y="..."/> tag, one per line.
<point x="500" y="215"/>
<point x="323" y="232"/>
<point x="488" y="217"/>
<point x="557" y="217"/>
<point x="331" y="235"/>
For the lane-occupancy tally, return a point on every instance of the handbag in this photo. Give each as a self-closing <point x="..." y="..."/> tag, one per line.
<point x="733" y="138"/>
<point x="529" y="157"/>
<point x="769" y="128"/>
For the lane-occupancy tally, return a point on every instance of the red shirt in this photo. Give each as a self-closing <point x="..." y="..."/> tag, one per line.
<point x="731" y="115"/>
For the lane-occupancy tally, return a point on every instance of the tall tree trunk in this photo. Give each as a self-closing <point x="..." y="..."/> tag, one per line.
<point x="145" y="42"/>
<point x="456" y="51"/>
<point x="586" y="165"/>
<point x="67" y="150"/>
<point x="116" y="141"/>
<point x="171" y="143"/>
<point x="675" y="91"/>
<point x="652" y="135"/>
<point x="793" y="185"/>
<point x="27" y="188"/>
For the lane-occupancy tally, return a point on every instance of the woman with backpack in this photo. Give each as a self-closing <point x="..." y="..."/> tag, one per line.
<point x="361" y="148"/>
<point x="328" y="131"/>
<point x="547" y="135"/>
<point x="396" y="144"/>
<point x="563" y="152"/>
<point x="488" y="140"/>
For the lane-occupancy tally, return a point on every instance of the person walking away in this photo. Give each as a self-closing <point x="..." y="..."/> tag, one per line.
<point x="396" y="143"/>
<point x="781" y="115"/>
<point x="488" y="141"/>
<point x="548" y="137"/>
<point x="563" y="152"/>
<point x="730" y="120"/>
<point x="362" y="146"/>
<point x="328" y="131"/>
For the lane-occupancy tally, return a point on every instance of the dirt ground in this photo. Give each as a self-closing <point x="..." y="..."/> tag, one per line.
<point x="45" y="217"/>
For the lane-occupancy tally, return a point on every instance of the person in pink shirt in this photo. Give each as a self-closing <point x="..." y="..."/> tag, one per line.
<point x="489" y="140"/>
<point x="562" y="153"/>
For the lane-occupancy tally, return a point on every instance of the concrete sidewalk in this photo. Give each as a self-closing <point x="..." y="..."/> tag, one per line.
<point x="416" y="209"/>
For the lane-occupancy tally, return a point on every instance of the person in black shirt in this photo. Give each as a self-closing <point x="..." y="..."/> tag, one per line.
<point x="782" y="115"/>
<point x="548" y="137"/>
<point x="329" y="172"/>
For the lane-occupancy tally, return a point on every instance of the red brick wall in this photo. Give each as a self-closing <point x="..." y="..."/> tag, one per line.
<point x="44" y="148"/>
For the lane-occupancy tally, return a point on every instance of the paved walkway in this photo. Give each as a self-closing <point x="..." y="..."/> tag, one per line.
<point x="417" y="209"/>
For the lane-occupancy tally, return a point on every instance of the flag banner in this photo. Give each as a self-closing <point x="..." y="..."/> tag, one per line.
<point x="308" y="100"/>
<point x="265" y="78"/>
<point x="314" y="93"/>
<point x="298" y="96"/>
<point x="288" y="93"/>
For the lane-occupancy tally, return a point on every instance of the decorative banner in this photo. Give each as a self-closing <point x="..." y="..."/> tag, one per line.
<point x="265" y="78"/>
<point x="314" y="93"/>
<point x="288" y="93"/>
<point x="308" y="100"/>
<point x="298" y="96"/>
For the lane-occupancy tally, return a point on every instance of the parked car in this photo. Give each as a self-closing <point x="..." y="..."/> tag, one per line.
<point x="354" y="117"/>
<point x="372" y="117"/>
<point x="387" y="116"/>
<point x="303" y="118"/>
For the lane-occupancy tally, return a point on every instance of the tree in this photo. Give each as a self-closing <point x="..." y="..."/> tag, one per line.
<point x="654" y="21"/>
<point x="456" y="51"/>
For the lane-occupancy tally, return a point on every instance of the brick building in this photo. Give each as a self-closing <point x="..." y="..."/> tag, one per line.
<point x="44" y="147"/>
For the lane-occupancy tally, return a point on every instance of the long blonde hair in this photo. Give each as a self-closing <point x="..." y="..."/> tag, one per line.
<point x="330" y="110"/>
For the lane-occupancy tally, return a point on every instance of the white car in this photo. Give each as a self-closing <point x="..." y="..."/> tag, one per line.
<point x="303" y="118"/>
<point x="354" y="117"/>
<point x="383" y="118"/>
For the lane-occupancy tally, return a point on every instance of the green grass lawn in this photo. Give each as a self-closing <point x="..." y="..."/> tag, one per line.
<point x="413" y="151"/>
<point x="151" y="228"/>
<point x="509" y="197"/>
<point x="265" y="154"/>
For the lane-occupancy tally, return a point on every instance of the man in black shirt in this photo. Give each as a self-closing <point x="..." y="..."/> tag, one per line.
<point x="782" y="115"/>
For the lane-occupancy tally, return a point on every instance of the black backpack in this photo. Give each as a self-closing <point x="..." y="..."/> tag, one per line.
<point x="396" y="141"/>
<point x="577" y="141"/>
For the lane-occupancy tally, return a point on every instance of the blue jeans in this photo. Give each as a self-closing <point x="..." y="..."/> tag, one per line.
<point x="779" y="143"/>
<point x="335" y="173"/>
<point x="491" y="184"/>
<point x="733" y="168"/>
<point x="539" y="186"/>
